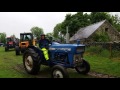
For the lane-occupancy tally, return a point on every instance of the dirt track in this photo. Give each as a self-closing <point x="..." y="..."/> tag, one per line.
<point x="99" y="75"/>
<point x="42" y="74"/>
<point x="46" y="73"/>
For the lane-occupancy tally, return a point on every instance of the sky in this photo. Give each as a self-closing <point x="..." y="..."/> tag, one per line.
<point x="20" y="22"/>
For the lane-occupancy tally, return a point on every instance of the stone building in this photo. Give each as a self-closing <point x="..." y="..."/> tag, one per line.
<point x="85" y="34"/>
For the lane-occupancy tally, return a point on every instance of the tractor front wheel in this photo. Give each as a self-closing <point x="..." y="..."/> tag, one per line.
<point x="6" y="48"/>
<point x="84" y="67"/>
<point x="59" y="72"/>
<point x="17" y="50"/>
<point x="30" y="62"/>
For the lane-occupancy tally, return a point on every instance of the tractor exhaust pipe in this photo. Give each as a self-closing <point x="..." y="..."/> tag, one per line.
<point x="78" y="42"/>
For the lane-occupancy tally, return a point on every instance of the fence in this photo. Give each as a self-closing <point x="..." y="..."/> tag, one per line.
<point x="110" y="46"/>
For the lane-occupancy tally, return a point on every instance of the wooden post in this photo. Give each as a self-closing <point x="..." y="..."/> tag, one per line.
<point x="110" y="50"/>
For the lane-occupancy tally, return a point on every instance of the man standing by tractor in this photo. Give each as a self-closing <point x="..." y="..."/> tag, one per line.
<point x="44" y="45"/>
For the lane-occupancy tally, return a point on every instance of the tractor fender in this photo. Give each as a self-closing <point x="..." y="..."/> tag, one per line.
<point x="36" y="51"/>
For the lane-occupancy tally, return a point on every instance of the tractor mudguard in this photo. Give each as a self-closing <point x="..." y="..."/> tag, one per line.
<point x="34" y="50"/>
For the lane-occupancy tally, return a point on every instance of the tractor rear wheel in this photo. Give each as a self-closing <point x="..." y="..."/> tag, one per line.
<point x="17" y="50"/>
<point x="6" y="48"/>
<point x="31" y="62"/>
<point x="59" y="72"/>
<point x="84" y="67"/>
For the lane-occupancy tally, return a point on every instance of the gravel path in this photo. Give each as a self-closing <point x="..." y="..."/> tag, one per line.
<point x="99" y="75"/>
<point x="19" y="68"/>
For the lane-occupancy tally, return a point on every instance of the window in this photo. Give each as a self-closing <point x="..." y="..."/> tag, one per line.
<point x="25" y="37"/>
<point x="106" y="29"/>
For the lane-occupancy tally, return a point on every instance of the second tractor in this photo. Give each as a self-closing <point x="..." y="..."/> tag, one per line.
<point x="26" y="40"/>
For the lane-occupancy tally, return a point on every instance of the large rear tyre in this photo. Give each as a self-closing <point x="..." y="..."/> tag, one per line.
<point x="31" y="62"/>
<point x="84" y="67"/>
<point x="59" y="72"/>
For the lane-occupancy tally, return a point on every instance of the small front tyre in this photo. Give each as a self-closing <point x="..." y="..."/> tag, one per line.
<point x="59" y="72"/>
<point x="84" y="67"/>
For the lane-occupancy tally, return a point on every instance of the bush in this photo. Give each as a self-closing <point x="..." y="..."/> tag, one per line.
<point x="98" y="50"/>
<point x="115" y="53"/>
<point x="105" y="53"/>
<point x="94" y="50"/>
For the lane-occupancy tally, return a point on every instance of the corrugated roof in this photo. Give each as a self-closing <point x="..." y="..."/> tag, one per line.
<point x="86" y="31"/>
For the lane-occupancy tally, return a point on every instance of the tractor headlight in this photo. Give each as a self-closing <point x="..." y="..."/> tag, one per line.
<point x="80" y="49"/>
<point x="77" y="59"/>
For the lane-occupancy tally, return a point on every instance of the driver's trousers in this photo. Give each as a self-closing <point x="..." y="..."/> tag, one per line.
<point x="45" y="52"/>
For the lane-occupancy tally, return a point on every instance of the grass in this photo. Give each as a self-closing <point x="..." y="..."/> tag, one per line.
<point x="102" y="63"/>
<point x="11" y="66"/>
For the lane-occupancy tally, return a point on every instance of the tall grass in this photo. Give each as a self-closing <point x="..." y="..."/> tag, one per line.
<point x="98" y="50"/>
<point x="101" y="61"/>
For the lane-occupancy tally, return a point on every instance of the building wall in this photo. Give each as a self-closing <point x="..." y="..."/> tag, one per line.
<point x="109" y="29"/>
<point x="106" y="27"/>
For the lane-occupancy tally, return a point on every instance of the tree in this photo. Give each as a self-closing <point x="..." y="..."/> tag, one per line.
<point x="3" y="37"/>
<point x="57" y="30"/>
<point x="99" y="16"/>
<point x="101" y="37"/>
<point x="13" y="36"/>
<point x="80" y="20"/>
<point x="37" y="31"/>
<point x="74" y="22"/>
<point x="116" y="22"/>
<point x="49" y="36"/>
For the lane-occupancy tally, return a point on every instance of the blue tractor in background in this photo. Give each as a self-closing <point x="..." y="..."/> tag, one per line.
<point x="62" y="56"/>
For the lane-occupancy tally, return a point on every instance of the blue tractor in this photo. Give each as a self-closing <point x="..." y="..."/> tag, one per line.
<point x="62" y="56"/>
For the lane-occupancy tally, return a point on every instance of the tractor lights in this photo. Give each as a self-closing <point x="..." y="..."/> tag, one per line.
<point x="77" y="59"/>
<point x="80" y="49"/>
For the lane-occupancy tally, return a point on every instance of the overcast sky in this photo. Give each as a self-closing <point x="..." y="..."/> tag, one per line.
<point x="19" y="22"/>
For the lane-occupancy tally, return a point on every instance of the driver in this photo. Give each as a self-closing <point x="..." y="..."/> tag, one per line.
<point x="26" y="38"/>
<point x="44" y="45"/>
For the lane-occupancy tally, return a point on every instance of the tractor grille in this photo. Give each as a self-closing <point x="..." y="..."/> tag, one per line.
<point x="77" y="59"/>
<point x="23" y="44"/>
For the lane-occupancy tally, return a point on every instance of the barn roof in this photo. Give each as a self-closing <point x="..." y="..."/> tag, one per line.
<point x="86" y="31"/>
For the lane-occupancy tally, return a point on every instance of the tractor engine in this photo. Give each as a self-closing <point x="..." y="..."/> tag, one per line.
<point x="60" y="56"/>
<point x="69" y="53"/>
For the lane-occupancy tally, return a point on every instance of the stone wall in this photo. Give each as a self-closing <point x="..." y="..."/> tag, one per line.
<point x="106" y="27"/>
<point x="110" y="30"/>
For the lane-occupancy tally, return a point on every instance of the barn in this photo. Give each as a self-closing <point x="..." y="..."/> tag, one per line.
<point x="86" y="34"/>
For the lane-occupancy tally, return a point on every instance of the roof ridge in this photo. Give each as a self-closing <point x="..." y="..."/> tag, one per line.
<point x="91" y="30"/>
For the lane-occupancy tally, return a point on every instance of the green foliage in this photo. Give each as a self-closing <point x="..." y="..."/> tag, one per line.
<point x="98" y="50"/>
<point x="80" y="19"/>
<point x="3" y="37"/>
<point x="94" y="50"/>
<point x="49" y="36"/>
<point x="100" y="61"/>
<point x="116" y="22"/>
<point x="57" y="30"/>
<point x="37" y="31"/>
<point x="102" y="37"/>
<point x="105" y="53"/>
<point x="74" y="22"/>
<point x="99" y="16"/>
<point x="104" y="65"/>
<point x="115" y="53"/>
<point x="12" y="67"/>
